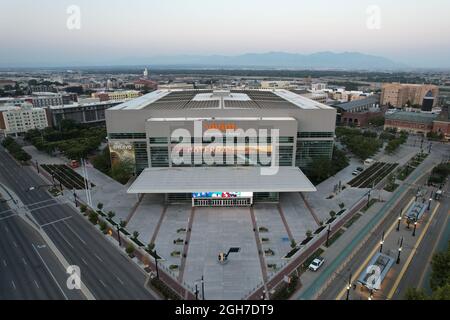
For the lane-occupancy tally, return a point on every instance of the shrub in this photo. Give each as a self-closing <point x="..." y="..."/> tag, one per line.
<point x="93" y="217"/>
<point x="308" y="234"/>
<point x="135" y="235"/>
<point x="150" y="247"/>
<point x="130" y="249"/>
<point x="103" y="226"/>
<point x="83" y="208"/>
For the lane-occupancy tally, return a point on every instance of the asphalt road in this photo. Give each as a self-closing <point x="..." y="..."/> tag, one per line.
<point x="106" y="272"/>
<point x="418" y="270"/>
<point x="28" y="268"/>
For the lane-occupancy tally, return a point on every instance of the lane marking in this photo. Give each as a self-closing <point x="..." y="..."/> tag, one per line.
<point x="73" y="231"/>
<point x="13" y="284"/>
<point x="100" y="259"/>
<point x="55" y="221"/>
<point x="118" y="279"/>
<point x="411" y="255"/>
<point x="375" y="249"/>
<point x="64" y="238"/>
<point x="4" y="263"/>
<point x="84" y="261"/>
<point x="35" y="282"/>
<point x="49" y="271"/>
<point x="6" y="229"/>
<point x="15" y="244"/>
<point x="103" y="284"/>
<point x="24" y="261"/>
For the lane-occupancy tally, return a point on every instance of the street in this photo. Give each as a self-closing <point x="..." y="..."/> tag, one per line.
<point x="28" y="269"/>
<point x="106" y="272"/>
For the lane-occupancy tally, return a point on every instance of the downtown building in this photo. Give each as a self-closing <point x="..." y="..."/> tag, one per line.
<point x="220" y="148"/>
<point x="19" y="118"/>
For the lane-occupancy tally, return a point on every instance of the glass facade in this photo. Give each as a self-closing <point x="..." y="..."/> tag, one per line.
<point x="308" y="151"/>
<point x="159" y="156"/>
<point x="140" y="156"/>
<point x="123" y="136"/>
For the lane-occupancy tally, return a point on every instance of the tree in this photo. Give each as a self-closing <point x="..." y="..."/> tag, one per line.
<point x="122" y="223"/>
<point x="83" y="208"/>
<point x="122" y="171"/>
<point x="309" y="234"/>
<point x="111" y="214"/>
<point x="440" y="265"/>
<point x="332" y="214"/>
<point x="135" y="235"/>
<point x="415" y="294"/>
<point x="100" y="206"/>
<point x="321" y="169"/>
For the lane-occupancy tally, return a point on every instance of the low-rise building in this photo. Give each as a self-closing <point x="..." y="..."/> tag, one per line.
<point x="16" y="119"/>
<point x="442" y="123"/>
<point x="413" y="122"/>
<point x="87" y="113"/>
<point x="117" y="95"/>
<point x="358" y="112"/>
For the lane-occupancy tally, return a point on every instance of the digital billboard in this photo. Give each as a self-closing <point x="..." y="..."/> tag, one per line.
<point x="222" y="195"/>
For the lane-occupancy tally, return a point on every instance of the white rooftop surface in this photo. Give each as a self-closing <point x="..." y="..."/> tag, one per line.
<point x="142" y="101"/>
<point x="299" y="101"/>
<point x="147" y="99"/>
<point x="220" y="179"/>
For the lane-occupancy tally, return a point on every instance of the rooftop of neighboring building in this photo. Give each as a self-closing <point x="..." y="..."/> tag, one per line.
<point x="347" y="106"/>
<point x="408" y="116"/>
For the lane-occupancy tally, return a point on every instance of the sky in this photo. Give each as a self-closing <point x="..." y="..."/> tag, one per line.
<point x="35" y="33"/>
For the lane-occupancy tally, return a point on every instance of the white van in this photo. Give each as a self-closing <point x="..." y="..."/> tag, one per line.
<point x="368" y="162"/>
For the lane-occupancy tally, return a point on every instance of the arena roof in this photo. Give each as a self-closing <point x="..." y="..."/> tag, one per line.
<point x="220" y="99"/>
<point x="220" y="179"/>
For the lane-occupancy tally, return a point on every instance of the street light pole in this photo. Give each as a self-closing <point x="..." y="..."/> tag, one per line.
<point x="196" y="291"/>
<point x="156" y="264"/>
<point x="349" y="285"/>
<point x="118" y="235"/>
<point x="400" y="248"/>
<point x="328" y="234"/>
<point x="203" y="288"/>
<point x="399" y="221"/>
<point x="429" y="203"/>
<point x="381" y="243"/>
<point x="414" y="231"/>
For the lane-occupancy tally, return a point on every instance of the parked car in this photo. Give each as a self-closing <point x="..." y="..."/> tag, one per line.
<point x="355" y="173"/>
<point x="316" y="264"/>
<point x="360" y="169"/>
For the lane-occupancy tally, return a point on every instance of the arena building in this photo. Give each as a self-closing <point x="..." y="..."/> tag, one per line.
<point x="221" y="148"/>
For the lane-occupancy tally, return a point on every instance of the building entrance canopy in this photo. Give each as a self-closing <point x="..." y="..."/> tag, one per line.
<point x="226" y="179"/>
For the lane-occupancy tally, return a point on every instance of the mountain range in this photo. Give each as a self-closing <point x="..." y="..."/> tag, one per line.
<point x="319" y="60"/>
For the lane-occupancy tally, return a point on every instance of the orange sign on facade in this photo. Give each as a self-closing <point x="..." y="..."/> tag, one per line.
<point x="221" y="126"/>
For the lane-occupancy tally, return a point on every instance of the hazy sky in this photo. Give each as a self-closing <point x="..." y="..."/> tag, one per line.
<point x="35" y="33"/>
